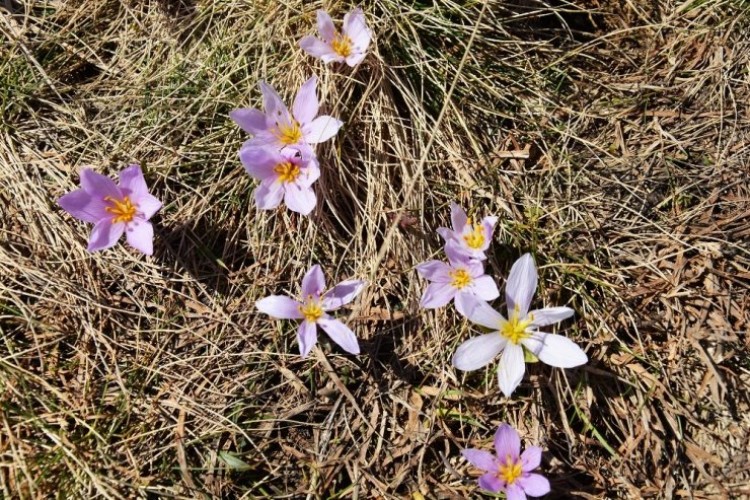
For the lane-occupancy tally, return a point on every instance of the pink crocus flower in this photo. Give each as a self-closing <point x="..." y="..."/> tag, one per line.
<point x="459" y="276"/>
<point x="114" y="209"/>
<point x="509" y="470"/>
<point x="287" y="174"/>
<point x="466" y="237"/>
<point x="510" y="336"/>
<point x="313" y="309"/>
<point x="279" y="128"/>
<point x="350" y="45"/>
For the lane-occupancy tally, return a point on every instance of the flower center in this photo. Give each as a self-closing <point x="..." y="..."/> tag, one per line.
<point x="475" y="239"/>
<point x="289" y="134"/>
<point x="461" y="278"/>
<point x="311" y="310"/>
<point x="509" y="471"/>
<point x="287" y="171"/>
<point x="342" y="45"/>
<point x="123" y="210"/>
<point x="515" y="328"/>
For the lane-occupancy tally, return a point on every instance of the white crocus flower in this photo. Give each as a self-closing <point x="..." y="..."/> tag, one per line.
<point x="520" y="330"/>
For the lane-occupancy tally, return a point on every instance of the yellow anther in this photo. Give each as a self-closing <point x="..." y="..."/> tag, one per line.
<point x="475" y="239"/>
<point x="123" y="210"/>
<point x="509" y="471"/>
<point x="311" y="310"/>
<point x="342" y="45"/>
<point x="515" y="329"/>
<point x="461" y="278"/>
<point x="287" y="172"/>
<point x="289" y="134"/>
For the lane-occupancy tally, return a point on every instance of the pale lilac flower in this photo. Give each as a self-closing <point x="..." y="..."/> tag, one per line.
<point x="114" y="209"/>
<point x="466" y="237"/>
<point x="287" y="174"/>
<point x="279" y="128"/>
<point x="350" y="45"/>
<point x="459" y="276"/>
<point x="519" y="331"/>
<point x="313" y="308"/>
<point x="509" y="470"/>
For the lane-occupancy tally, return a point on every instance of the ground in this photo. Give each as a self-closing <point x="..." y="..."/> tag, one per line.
<point x="612" y="140"/>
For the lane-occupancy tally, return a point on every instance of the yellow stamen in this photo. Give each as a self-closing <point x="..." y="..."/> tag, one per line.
<point x="515" y="329"/>
<point x="509" y="471"/>
<point x="123" y="210"/>
<point x="311" y="310"/>
<point x="475" y="239"/>
<point x="461" y="278"/>
<point x="342" y="45"/>
<point x="289" y="134"/>
<point x="288" y="171"/>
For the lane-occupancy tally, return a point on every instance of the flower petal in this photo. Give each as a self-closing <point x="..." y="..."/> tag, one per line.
<point x="320" y="49"/>
<point x="531" y="458"/>
<point x="307" y="336"/>
<point x="507" y="443"/>
<point x="488" y="224"/>
<point x="132" y="183"/>
<point x="250" y="120"/>
<point x="140" y="235"/>
<point x="480" y="312"/>
<point x="260" y="161"/>
<point x="325" y="26"/>
<point x="434" y="270"/>
<point x="81" y="205"/>
<point x="321" y="129"/>
<point x="275" y="108"/>
<point x="484" y="287"/>
<point x="98" y="185"/>
<point x="457" y="256"/>
<point x="511" y="369"/>
<point x="480" y="459"/>
<point x="535" y="485"/>
<point x="478" y="351"/>
<point x="355" y="58"/>
<point x="521" y="285"/>
<point x="514" y="492"/>
<point x="446" y="234"/>
<point x="341" y="294"/>
<point x="305" y="106"/>
<point x="490" y="482"/>
<point x="314" y="282"/>
<point x="458" y="217"/>
<point x="147" y="206"/>
<point x="561" y="352"/>
<point x="355" y="27"/>
<point x="437" y="295"/>
<point x="308" y="174"/>
<point x="105" y="234"/>
<point x="269" y="194"/>
<point x="341" y="334"/>
<point x="300" y="199"/>
<point x="550" y="315"/>
<point x="279" y="307"/>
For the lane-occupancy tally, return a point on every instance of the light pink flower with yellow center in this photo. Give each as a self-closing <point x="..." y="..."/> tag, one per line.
<point x="114" y="209"/>
<point x="509" y="471"/>
<point x="466" y="237"/>
<point x="313" y="310"/>
<point x="279" y="128"/>
<point x="459" y="276"/>
<point x="349" y="45"/>
<point x="510" y="336"/>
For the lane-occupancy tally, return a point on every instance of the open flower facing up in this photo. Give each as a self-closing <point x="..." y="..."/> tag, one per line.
<point x="520" y="330"/>
<point x="287" y="174"/>
<point x="313" y="309"/>
<point x="114" y="209"/>
<point x="350" y="45"/>
<point x="509" y="470"/>
<point x="459" y="276"/>
<point x="466" y="237"/>
<point x="277" y="127"/>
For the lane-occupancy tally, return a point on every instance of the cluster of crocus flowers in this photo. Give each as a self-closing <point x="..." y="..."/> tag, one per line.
<point x="114" y="209"/>
<point x="519" y="331"/>
<point x="313" y="310"/>
<point x="348" y="45"/>
<point x="509" y="471"/>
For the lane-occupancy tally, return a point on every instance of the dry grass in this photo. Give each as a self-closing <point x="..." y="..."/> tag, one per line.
<point x="125" y="376"/>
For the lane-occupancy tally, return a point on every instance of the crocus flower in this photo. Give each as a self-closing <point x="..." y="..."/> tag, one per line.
<point x="466" y="237"/>
<point x="287" y="174"/>
<point x="459" y="276"/>
<point x="277" y="127"/>
<point x="114" y="209"/>
<point x="313" y="309"/>
<point x="509" y="470"/>
<point x="349" y="46"/>
<point x="510" y="336"/>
